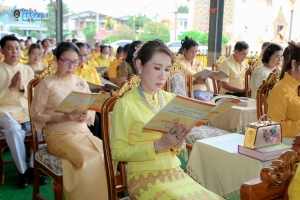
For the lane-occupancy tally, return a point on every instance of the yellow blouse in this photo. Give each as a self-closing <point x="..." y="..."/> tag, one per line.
<point x="13" y="100"/>
<point x="112" y="70"/>
<point x="40" y="67"/>
<point x="102" y="62"/>
<point x="236" y="72"/>
<point x="284" y="105"/>
<point x="258" y="75"/>
<point x="112" y="58"/>
<point x="89" y="73"/>
<point x="48" y="94"/>
<point x="130" y="143"/>
<point x="193" y="69"/>
<point x="92" y="63"/>
<point x="95" y="54"/>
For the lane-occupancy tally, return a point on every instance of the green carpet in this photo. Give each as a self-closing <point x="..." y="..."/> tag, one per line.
<point x="10" y="191"/>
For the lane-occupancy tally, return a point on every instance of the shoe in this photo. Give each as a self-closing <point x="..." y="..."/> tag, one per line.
<point x="22" y="182"/>
<point x="30" y="173"/>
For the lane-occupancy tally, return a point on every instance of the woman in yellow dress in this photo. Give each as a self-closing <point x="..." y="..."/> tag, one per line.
<point x="153" y="168"/>
<point x="91" y="61"/>
<point x="189" y="50"/>
<point x="35" y="53"/>
<point x="271" y="60"/>
<point x="67" y="135"/>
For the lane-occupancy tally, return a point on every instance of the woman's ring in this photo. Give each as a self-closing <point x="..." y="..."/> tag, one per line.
<point x="177" y="137"/>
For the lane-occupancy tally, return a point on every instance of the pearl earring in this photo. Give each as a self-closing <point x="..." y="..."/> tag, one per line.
<point x="293" y="69"/>
<point x="140" y="73"/>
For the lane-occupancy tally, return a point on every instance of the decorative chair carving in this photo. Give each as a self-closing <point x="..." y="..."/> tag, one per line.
<point x="28" y="138"/>
<point x="215" y="67"/>
<point x="248" y="74"/>
<point x="44" y="160"/>
<point x="257" y="61"/>
<point x="177" y="57"/>
<point x="263" y="93"/>
<point x="180" y="81"/>
<point x="275" y="179"/>
<point x="116" y="184"/>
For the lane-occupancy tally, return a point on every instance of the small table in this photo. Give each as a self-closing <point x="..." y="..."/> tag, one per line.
<point x="235" y="119"/>
<point x="216" y="165"/>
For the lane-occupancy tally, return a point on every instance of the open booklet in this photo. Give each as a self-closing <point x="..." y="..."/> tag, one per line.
<point x="217" y="75"/>
<point x="244" y="101"/>
<point x="82" y="101"/>
<point x="100" y="69"/>
<point x="19" y="117"/>
<point x="187" y="111"/>
<point x="107" y="85"/>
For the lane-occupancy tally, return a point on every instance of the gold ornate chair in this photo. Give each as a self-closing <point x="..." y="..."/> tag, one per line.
<point x="44" y="160"/>
<point x="256" y="62"/>
<point x="275" y="179"/>
<point x="28" y="136"/>
<point x="215" y="67"/>
<point x="248" y="74"/>
<point x="180" y="81"/>
<point x="116" y="183"/>
<point x="263" y="93"/>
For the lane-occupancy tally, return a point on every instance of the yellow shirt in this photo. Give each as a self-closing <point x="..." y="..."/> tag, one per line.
<point x="49" y="58"/>
<point x="130" y="143"/>
<point x="258" y="75"/>
<point x="40" y="67"/>
<point x="112" y="58"/>
<point x="92" y="63"/>
<point x="284" y="105"/>
<point x="89" y="73"/>
<point x="294" y="187"/>
<point x="102" y="62"/>
<point x="112" y="70"/>
<point x="95" y="54"/>
<point x="25" y="53"/>
<point x="236" y="72"/>
<point x="193" y="69"/>
<point x="13" y="100"/>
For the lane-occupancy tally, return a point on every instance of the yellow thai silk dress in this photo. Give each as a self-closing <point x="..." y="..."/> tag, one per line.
<point x="81" y="153"/>
<point x="150" y="175"/>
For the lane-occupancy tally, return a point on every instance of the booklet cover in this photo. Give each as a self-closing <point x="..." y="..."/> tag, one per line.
<point x="107" y="85"/>
<point x="217" y="75"/>
<point x="18" y="116"/>
<point x="184" y="110"/>
<point x="83" y="101"/>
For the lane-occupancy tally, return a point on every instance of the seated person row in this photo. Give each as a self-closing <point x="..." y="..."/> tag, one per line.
<point x="153" y="167"/>
<point x="35" y="60"/>
<point x="14" y="79"/>
<point x="189" y="50"/>
<point x="284" y="105"/>
<point x="112" y="70"/>
<point x="271" y="60"/>
<point x="235" y="67"/>
<point x="67" y="135"/>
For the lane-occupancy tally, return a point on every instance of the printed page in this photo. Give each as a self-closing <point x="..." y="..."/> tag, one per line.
<point x="93" y="86"/>
<point x="19" y="116"/>
<point x="217" y="75"/>
<point x="180" y="109"/>
<point x="76" y="100"/>
<point x="97" y="104"/>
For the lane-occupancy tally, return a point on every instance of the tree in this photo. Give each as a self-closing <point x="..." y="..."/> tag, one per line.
<point x="153" y="30"/>
<point x="183" y="9"/>
<point x="109" y="23"/>
<point x="195" y="35"/>
<point x="90" y="31"/>
<point x="203" y="39"/>
<point x="51" y="23"/>
<point x="16" y="30"/>
<point x="121" y="32"/>
<point x="139" y="21"/>
<point x="34" y="34"/>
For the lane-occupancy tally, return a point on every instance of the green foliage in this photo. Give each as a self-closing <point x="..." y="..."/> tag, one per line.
<point x="139" y="21"/>
<point x="34" y="34"/>
<point x="153" y="30"/>
<point x="16" y="30"/>
<point x="195" y="35"/>
<point x="90" y="31"/>
<point x="51" y="25"/>
<point x="121" y="32"/>
<point x="200" y="37"/>
<point x="183" y="9"/>
<point x="109" y="23"/>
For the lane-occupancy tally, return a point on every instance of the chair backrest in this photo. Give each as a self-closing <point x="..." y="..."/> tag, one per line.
<point x="257" y="61"/>
<point x="275" y="179"/>
<point x="263" y="93"/>
<point x="113" y="186"/>
<point x="180" y="81"/>
<point x="51" y="69"/>
<point x="215" y="67"/>
<point x="248" y="74"/>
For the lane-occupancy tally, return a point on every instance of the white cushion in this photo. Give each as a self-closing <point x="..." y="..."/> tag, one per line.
<point x="177" y="84"/>
<point x="50" y="161"/>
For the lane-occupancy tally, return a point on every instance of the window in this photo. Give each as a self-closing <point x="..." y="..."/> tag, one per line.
<point x="175" y="44"/>
<point x="180" y="23"/>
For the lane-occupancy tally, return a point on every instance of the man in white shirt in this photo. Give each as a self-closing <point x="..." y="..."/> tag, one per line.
<point x="14" y="79"/>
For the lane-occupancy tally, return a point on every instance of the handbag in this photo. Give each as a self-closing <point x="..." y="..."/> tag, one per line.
<point x="262" y="133"/>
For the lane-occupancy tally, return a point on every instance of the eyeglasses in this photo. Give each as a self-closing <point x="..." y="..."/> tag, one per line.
<point x="68" y="62"/>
